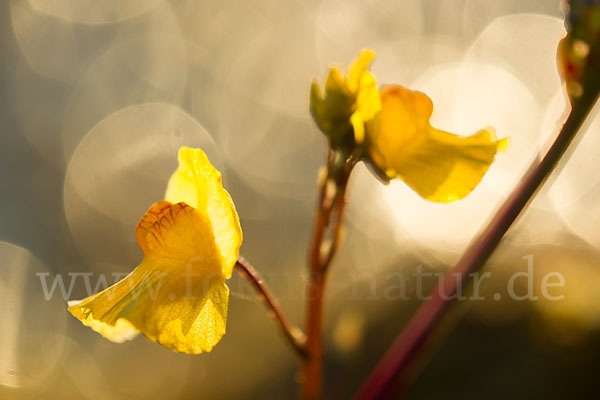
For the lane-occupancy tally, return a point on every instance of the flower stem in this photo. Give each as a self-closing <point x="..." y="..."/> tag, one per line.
<point x="292" y="333"/>
<point x="389" y="378"/>
<point x="312" y="369"/>
<point x="325" y="241"/>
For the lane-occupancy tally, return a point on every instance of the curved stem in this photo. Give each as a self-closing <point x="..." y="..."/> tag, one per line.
<point x="292" y="333"/>
<point x="389" y="376"/>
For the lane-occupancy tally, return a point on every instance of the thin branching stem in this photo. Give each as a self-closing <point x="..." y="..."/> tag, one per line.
<point x="292" y="333"/>
<point x="325" y="241"/>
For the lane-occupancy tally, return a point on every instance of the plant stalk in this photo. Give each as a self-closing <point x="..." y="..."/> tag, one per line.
<point x="292" y="333"/>
<point x="325" y="241"/>
<point x="389" y="379"/>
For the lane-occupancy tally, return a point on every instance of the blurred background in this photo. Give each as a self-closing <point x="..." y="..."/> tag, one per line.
<point x="97" y="97"/>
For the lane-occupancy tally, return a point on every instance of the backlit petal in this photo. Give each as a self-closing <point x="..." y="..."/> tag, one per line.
<point x="368" y="101"/>
<point x="191" y="318"/>
<point x="438" y="165"/>
<point x="368" y="104"/>
<point x="176" y="296"/>
<point x="121" y="332"/>
<point x="197" y="183"/>
<point x="358" y="68"/>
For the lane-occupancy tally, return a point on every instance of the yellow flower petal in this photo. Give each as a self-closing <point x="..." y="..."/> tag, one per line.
<point x="177" y="296"/>
<point x="197" y="183"/>
<point x="348" y="102"/>
<point x="368" y="104"/>
<point x="154" y="213"/>
<point x="121" y="332"/>
<point x="358" y="125"/>
<point x="438" y="165"/>
<point x="368" y="101"/>
<point x="358" y="68"/>
<point x="192" y="323"/>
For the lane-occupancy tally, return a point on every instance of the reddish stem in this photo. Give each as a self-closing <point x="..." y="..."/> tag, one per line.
<point x="388" y="379"/>
<point x="329" y="219"/>
<point x="292" y="333"/>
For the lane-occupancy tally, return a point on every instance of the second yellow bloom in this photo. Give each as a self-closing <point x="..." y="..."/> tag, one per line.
<point x="392" y="132"/>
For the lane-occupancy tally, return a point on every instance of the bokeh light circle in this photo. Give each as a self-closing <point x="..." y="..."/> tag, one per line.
<point x="94" y="12"/>
<point x="119" y="169"/>
<point x="133" y="71"/>
<point x="33" y="318"/>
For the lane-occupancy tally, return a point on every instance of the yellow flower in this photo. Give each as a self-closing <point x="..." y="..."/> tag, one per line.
<point x="177" y="295"/>
<point x="391" y="131"/>
<point x="347" y="102"/>
<point x="438" y="165"/>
